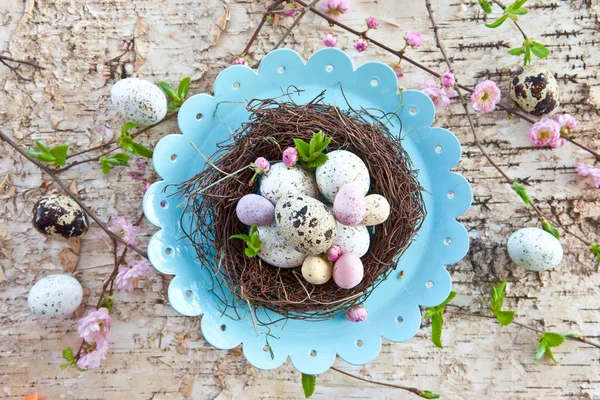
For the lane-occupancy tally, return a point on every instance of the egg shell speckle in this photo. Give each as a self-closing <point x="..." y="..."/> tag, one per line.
<point x="55" y="296"/>
<point x="59" y="217"/>
<point x="349" y="205"/>
<point x="348" y="271"/>
<point x="343" y="167"/>
<point x="535" y="90"/>
<point x="534" y="249"/>
<point x="377" y="210"/>
<point x="353" y="239"/>
<point x="139" y="101"/>
<point x="275" y="251"/>
<point x="283" y="181"/>
<point x="306" y="223"/>
<point x="253" y="209"/>
<point x="317" y="270"/>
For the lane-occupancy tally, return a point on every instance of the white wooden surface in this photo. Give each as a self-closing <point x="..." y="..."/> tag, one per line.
<point x="158" y="354"/>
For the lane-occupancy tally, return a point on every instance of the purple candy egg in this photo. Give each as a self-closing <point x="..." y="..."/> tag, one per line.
<point x="253" y="209"/>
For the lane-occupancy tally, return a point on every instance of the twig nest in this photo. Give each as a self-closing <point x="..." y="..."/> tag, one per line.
<point x="253" y="209"/>
<point x="377" y="210"/>
<point x="349" y="204"/>
<point x="534" y="249"/>
<point x="348" y="271"/>
<point x="59" y="217"/>
<point x="306" y="223"/>
<point x="55" y="296"/>
<point x="284" y="181"/>
<point x="353" y="239"/>
<point x="535" y="90"/>
<point x="342" y="168"/>
<point x="317" y="270"/>
<point x="139" y="101"/>
<point x="275" y="251"/>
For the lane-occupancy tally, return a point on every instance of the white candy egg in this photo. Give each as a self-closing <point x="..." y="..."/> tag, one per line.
<point x="283" y="181"/>
<point x="353" y="239"/>
<point x="343" y="167"/>
<point x="534" y="249"/>
<point x="275" y="251"/>
<point x="317" y="270"/>
<point x="377" y="210"/>
<point x="55" y="296"/>
<point x="139" y="101"/>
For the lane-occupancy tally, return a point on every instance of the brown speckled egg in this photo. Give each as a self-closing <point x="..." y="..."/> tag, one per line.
<point x="535" y="90"/>
<point x="59" y="217"/>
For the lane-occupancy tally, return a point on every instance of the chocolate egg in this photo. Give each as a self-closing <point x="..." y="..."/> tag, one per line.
<point x="59" y="217"/>
<point x="535" y="90"/>
<point x="349" y="205"/>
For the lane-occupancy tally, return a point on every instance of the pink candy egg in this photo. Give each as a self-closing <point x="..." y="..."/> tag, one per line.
<point x="348" y="271"/>
<point x="349" y="205"/>
<point x="253" y="209"/>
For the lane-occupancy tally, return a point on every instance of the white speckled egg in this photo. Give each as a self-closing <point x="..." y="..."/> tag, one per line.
<point x="377" y="210"/>
<point x="306" y="223"/>
<point x="348" y="271"/>
<point x="139" y="101"/>
<point x="253" y="209"/>
<point x="317" y="270"/>
<point x="534" y="249"/>
<point x="275" y="251"/>
<point x="55" y="296"/>
<point x="343" y="167"/>
<point x="353" y="239"/>
<point x="349" y="205"/>
<point x="284" y="181"/>
<point x="535" y="90"/>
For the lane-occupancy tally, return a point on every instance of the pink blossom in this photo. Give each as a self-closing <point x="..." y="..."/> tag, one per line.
<point x="441" y="97"/>
<point x="567" y="123"/>
<point x="361" y="45"/>
<point x="93" y="354"/>
<point x="330" y="40"/>
<point x="146" y="187"/>
<point x="414" y="39"/>
<point x="290" y="156"/>
<point x="129" y="275"/>
<point x="105" y="132"/>
<point x="124" y="229"/>
<point x="397" y="69"/>
<point x="95" y="326"/>
<point x="485" y="96"/>
<point x="335" y="7"/>
<point x="262" y="164"/>
<point x="448" y="79"/>
<point x="356" y="314"/>
<point x="240" y="61"/>
<point x="290" y="9"/>
<point x="545" y="132"/>
<point x="372" y="22"/>
<point x="592" y="172"/>
<point x="334" y="253"/>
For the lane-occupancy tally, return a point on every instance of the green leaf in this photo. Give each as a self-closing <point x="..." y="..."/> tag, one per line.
<point x="41" y="146"/>
<point x="250" y="253"/>
<point x="60" y="154"/>
<point x="302" y="147"/>
<point x="451" y="296"/>
<point x="309" y="383"/>
<point x="127" y="127"/>
<point x="572" y="336"/>
<point x="527" y="58"/>
<point x="548" y="227"/>
<point x="517" y="51"/>
<point x="65" y="366"/>
<point x="595" y="248"/>
<point x="521" y="192"/>
<point x="516" y="5"/>
<point x="520" y="11"/>
<point x="437" y="321"/>
<point x="56" y="156"/>
<point x="539" y="50"/>
<point x="498" y="294"/>
<point x="245" y="238"/>
<point x="107" y="302"/>
<point x="168" y="90"/>
<point x="553" y="339"/>
<point x="497" y="22"/>
<point x="541" y="350"/>
<point x="184" y="86"/>
<point x="142" y="150"/>
<point x="38" y="155"/>
<point x="78" y="369"/>
<point x="318" y="161"/>
<point x="487" y="7"/>
<point x="549" y="354"/>
<point x="504" y="317"/>
<point x="426" y="394"/>
<point x="119" y="159"/>
<point x="67" y="354"/>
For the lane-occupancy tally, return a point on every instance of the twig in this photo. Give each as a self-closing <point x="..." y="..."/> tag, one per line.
<point x="503" y="7"/>
<point x="64" y="187"/>
<point x="296" y="22"/>
<point x="25" y="62"/>
<point x="259" y="27"/>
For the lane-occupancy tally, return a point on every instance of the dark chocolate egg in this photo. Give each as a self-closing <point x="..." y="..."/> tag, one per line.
<point x="59" y="217"/>
<point x="535" y="90"/>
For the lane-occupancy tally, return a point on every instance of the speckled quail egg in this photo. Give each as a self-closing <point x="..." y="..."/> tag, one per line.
<point x="534" y="249"/>
<point x="306" y="223"/>
<point x="139" y="101"/>
<point x="377" y="210"/>
<point x="59" y="217"/>
<point x="317" y="270"/>
<point x="283" y="181"/>
<point x="341" y="168"/>
<point x="535" y="90"/>
<point x="55" y="296"/>
<point x="275" y="251"/>
<point x="353" y="239"/>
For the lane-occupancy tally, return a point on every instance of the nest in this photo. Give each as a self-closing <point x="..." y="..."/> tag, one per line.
<point x="209" y="218"/>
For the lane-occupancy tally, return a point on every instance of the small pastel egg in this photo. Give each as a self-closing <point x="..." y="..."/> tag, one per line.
<point x="253" y="209"/>
<point x="377" y="210"/>
<point x="283" y="181"/>
<point x="349" y="204"/>
<point x="55" y="296"/>
<point x="139" y="101"/>
<point x="341" y="168"/>
<point x="348" y="271"/>
<point x="59" y="217"/>
<point x="534" y="249"/>
<point x="317" y="270"/>
<point x="353" y="239"/>
<point x="275" y="251"/>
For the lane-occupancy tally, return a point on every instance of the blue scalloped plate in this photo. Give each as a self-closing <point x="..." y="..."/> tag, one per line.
<point x="394" y="306"/>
